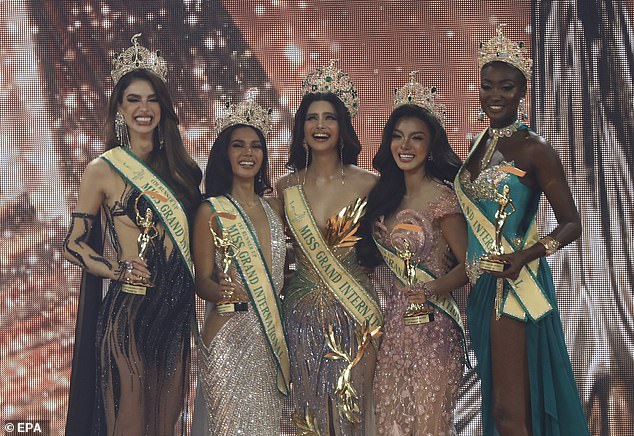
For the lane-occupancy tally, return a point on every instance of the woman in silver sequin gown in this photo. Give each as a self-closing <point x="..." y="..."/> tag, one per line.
<point x="236" y="367"/>
<point x="330" y="181"/>
<point x="419" y="367"/>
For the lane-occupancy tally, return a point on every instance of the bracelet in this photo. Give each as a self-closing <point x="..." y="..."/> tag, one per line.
<point x="426" y="290"/>
<point x="550" y="244"/>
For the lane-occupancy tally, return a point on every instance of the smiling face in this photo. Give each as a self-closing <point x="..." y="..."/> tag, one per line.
<point x="321" y="127"/>
<point x="501" y="88"/>
<point x="410" y="143"/>
<point x="246" y="152"/>
<point x="140" y="108"/>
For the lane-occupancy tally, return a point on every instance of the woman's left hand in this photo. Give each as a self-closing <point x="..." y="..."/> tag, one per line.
<point x="514" y="264"/>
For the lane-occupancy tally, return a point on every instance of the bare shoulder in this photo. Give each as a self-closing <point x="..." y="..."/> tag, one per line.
<point x="286" y="181"/>
<point x="100" y="175"/>
<point x="203" y="212"/>
<point x="363" y="179"/>
<point x="98" y="168"/>
<point x="536" y="146"/>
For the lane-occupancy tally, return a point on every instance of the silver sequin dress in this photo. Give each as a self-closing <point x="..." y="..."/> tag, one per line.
<point x="237" y="370"/>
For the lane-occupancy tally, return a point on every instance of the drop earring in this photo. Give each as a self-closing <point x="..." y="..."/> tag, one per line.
<point x="306" y="151"/>
<point x="121" y="130"/>
<point x="341" y="159"/>
<point x="161" y="138"/>
<point x="523" y="115"/>
<point x="481" y="114"/>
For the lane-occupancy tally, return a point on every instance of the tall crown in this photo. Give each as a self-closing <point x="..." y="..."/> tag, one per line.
<point x="330" y="79"/>
<point x="247" y="112"/>
<point x="501" y="49"/>
<point x="138" y="57"/>
<point x="421" y="96"/>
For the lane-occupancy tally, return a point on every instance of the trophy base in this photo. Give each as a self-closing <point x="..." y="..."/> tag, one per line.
<point x="232" y="307"/>
<point x="133" y="289"/>
<point x="492" y="265"/>
<point x="423" y="318"/>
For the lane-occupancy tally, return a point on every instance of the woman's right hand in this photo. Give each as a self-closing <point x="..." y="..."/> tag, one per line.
<point x="229" y="290"/>
<point x="133" y="270"/>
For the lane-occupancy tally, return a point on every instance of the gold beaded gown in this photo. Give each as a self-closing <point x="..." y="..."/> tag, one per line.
<point x="309" y="307"/>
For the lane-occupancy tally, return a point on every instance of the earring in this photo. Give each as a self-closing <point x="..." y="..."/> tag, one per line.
<point x="430" y="156"/>
<point x="481" y="114"/>
<point x="523" y="115"/>
<point x="121" y="130"/>
<point x="260" y="177"/>
<point x="306" y="151"/>
<point x="341" y="158"/>
<point x="161" y="138"/>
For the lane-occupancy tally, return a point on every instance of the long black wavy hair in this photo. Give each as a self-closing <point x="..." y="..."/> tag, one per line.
<point x="351" y="144"/>
<point x="219" y="176"/>
<point x="443" y="164"/>
<point x="171" y="162"/>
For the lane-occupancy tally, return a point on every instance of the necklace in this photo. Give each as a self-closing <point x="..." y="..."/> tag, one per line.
<point x="495" y="134"/>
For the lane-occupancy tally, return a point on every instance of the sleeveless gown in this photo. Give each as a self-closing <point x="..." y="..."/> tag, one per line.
<point x="237" y="370"/>
<point x="555" y="404"/>
<point x="309" y="307"/>
<point x="148" y="334"/>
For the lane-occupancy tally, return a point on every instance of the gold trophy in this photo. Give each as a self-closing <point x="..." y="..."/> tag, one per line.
<point x="229" y="303"/>
<point x="148" y="233"/>
<point x="505" y="209"/>
<point x="416" y="313"/>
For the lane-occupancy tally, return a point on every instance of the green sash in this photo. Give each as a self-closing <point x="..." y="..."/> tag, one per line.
<point x="357" y="302"/>
<point x="171" y="213"/>
<point x="527" y="297"/>
<point x="257" y="279"/>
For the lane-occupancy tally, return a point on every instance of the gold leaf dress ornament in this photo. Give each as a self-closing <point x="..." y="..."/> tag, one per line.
<point x="347" y="403"/>
<point x="341" y="229"/>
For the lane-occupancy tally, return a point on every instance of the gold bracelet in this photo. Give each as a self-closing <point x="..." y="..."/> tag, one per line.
<point x="550" y="244"/>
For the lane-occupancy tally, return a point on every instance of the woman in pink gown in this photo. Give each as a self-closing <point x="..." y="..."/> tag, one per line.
<point x="419" y="367"/>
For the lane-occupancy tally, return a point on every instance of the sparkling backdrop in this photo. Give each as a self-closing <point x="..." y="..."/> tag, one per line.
<point x="54" y="83"/>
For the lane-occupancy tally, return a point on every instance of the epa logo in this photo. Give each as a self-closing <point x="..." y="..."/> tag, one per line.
<point x="32" y="427"/>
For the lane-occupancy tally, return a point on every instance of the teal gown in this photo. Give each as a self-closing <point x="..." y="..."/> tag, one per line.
<point x="555" y="404"/>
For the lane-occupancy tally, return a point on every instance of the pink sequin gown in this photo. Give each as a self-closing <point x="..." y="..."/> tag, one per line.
<point x="419" y="368"/>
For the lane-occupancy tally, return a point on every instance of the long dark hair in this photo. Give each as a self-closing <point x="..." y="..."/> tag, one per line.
<point x="218" y="175"/>
<point x="171" y="162"/>
<point x="388" y="193"/>
<point x="351" y="144"/>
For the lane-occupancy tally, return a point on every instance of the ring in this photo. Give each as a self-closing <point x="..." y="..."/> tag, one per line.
<point x="129" y="267"/>
<point x="127" y="279"/>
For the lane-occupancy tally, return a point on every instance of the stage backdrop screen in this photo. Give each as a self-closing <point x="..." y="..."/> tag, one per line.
<point x="55" y="59"/>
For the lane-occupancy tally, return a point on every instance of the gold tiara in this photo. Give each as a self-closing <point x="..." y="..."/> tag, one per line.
<point x="247" y="112"/>
<point x="333" y="80"/>
<point x="421" y="96"/>
<point x="138" y="57"/>
<point x="501" y="49"/>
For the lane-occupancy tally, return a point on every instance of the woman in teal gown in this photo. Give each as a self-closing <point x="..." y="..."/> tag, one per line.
<point x="527" y="381"/>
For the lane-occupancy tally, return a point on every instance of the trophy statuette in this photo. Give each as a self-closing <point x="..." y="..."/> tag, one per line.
<point x="147" y="227"/>
<point x="229" y="303"/>
<point x="505" y="209"/>
<point x="416" y="313"/>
